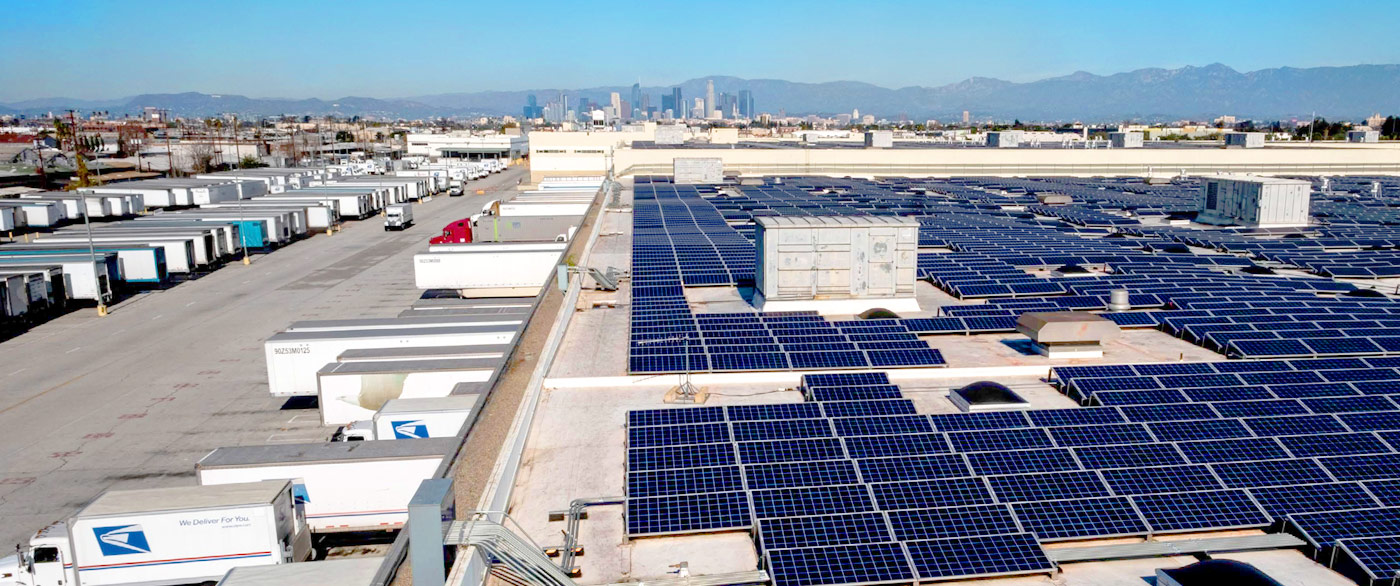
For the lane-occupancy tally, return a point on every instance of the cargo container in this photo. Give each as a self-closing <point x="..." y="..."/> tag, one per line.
<point x="140" y="263"/>
<point x="294" y="358"/>
<point x="82" y="277"/>
<point x="352" y="391"/>
<point x="342" y="486"/>
<point x="167" y="536"/>
<point x="358" y="571"/>
<point x="398" y="323"/>
<point x="488" y="270"/>
<point x="38" y="213"/>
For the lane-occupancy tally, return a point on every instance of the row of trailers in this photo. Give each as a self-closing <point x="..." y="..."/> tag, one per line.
<point x="157" y="233"/>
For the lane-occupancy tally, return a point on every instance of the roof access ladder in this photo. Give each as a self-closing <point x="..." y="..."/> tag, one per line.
<point x="514" y="559"/>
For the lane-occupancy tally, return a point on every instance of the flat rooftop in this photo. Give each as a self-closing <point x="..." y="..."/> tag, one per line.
<point x="585" y="422"/>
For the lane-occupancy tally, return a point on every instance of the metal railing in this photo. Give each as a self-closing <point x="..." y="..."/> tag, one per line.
<point x="958" y="169"/>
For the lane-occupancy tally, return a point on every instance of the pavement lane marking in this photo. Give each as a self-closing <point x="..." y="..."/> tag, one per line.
<point x="74" y="350"/>
<point x="17" y="372"/>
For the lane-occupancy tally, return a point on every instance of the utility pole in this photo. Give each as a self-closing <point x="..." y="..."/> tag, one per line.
<point x="169" y="156"/>
<point x="87" y="221"/>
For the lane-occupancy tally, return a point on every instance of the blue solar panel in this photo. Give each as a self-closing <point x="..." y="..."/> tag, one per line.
<point x="1323" y="529"/>
<point x="968" y="557"/>
<point x="981" y="420"/>
<point x="927" y="494"/>
<point x="940" y="523"/>
<point x="1100" y="435"/>
<point x="1178" y="412"/>
<point x="1159" y="479"/>
<point x="1022" y="461"/>
<point x="780" y="411"/>
<point x="1080" y="518"/>
<point x="854" y="393"/>
<point x="791" y="532"/>
<point x="910" y="444"/>
<point x="1128" y="456"/>
<point x="868" y="408"/>
<point x="1269" y="473"/>
<point x="675" y="416"/>
<point x="687" y="513"/>
<point x="693" y="456"/>
<point x="1294" y="425"/>
<point x="912" y="468"/>
<point x="780" y="429"/>
<point x="1281" y="501"/>
<point x="1373" y="467"/>
<point x="819" y="500"/>
<point x="1170" y="431"/>
<point x="1348" y="404"/>
<point x="675" y="435"/>
<point x="888" y="425"/>
<point x="1196" y="511"/>
<point x="1377" y="557"/>
<point x="999" y="440"/>
<point x="1371" y="421"/>
<point x="1074" y="416"/>
<point x="1047" y="486"/>
<point x="794" y="474"/>
<point x="845" y="379"/>
<point x="1265" y="408"/>
<point x="1334" y="444"/>
<point x="684" y="481"/>
<point x="872" y="563"/>
<point x="790" y="451"/>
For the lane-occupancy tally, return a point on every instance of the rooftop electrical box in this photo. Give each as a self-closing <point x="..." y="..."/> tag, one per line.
<point x="1255" y="202"/>
<point x="816" y="258"/>
<point x="879" y="139"/>
<point x="1248" y="140"/>
<point x="1125" y="140"/>
<point x="1005" y="139"/>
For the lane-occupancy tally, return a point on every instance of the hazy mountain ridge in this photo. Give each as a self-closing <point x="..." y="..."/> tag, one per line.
<point x="1150" y="94"/>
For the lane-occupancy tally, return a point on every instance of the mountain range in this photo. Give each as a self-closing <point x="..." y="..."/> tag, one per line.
<point x="1154" y="94"/>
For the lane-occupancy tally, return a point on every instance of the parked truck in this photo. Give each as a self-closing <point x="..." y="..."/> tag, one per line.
<point x="398" y="217"/>
<point x="488" y="270"/>
<point x="165" y="536"/>
<point x="418" y="418"/>
<point x="363" y="486"/>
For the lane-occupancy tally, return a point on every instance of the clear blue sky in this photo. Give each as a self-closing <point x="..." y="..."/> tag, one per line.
<point x="331" y="49"/>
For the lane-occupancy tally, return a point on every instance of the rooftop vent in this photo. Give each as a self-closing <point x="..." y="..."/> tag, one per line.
<point x="987" y="396"/>
<point x="1212" y="572"/>
<point x="1364" y="293"/>
<point x="1258" y="270"/>
<point x="1070" y="271"/>
<point x="1067" y="334"/>
<point x="879" y="313"/>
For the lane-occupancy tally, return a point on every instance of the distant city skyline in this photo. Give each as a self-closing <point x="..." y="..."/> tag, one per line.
<point x="353" y="51"/>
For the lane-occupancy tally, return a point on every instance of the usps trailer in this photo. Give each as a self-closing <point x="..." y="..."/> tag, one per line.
<point x="353" y="391"/>
<point x="343" y="486"/>
<point x="294" y="358"/>
<point x="401" y="419"/>
<point x="167" y="536"/>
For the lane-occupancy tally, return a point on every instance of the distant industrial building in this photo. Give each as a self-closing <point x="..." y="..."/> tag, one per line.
<point x="1248" y="140"/>
<point x="1363" y="136"/>
<point x="1125" y="140"/>
<point x="1255" y="202"/>
<point x="463" y="145"/>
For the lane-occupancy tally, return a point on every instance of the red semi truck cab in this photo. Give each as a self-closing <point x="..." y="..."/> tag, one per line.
<point x="458" y="232"/>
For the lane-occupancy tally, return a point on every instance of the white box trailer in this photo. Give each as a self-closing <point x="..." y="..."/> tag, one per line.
<point x="382" y="195"/>
<point x="82" y="277"/>
<point x="202" y="247"/>
<point x="294" y="358"/>
<point x="425" y="353"/>
<point x="51" y="282"/>
<point x="353" y="391"/>
<point x="37" y="289"/>
<point x="140" y="263"/>
<point x="399" y="323"/>
<point x="357" y="571"/>
<point x="228" y="236"/>
<point x="401" y="419"/>
<point x="36" y="213"/>
<point x="74" y="205"/>
<point x="255" y="228"/>
<point x="305" y="217"/>
<point x="347" y="204"/>
<point x="342" y="486"/>
<point x="415" y="187"/>
<point x="168" y="536"/>
<point x="488" y="270"/>
<point x="14" y="295"/>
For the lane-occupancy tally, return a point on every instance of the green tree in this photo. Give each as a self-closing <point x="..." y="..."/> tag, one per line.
<point x="250" y="162"/>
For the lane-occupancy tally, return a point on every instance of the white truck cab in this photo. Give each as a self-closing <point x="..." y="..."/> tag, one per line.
<point x="398" y="217"/>
<point x="46" y="561"/>
<point x="355" y="431"/>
